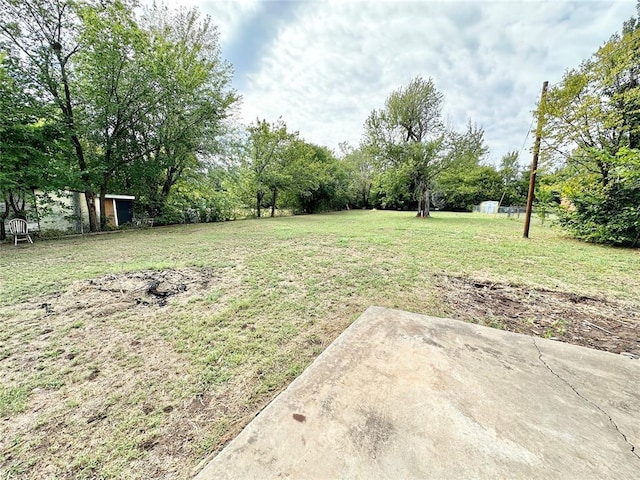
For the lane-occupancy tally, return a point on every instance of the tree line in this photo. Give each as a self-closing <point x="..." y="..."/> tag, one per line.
<point x="100" y="98"/>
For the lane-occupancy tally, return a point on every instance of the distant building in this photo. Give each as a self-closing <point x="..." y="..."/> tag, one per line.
<point x="67" y="211"/>
<point x="489" y="207"/>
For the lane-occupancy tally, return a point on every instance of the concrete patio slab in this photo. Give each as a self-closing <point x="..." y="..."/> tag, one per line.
<point x="401" y="395"/>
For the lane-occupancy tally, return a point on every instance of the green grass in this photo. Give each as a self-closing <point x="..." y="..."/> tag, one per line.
<point x="12" y="400"/>
<point x="143" y="391"/>
<point x="456" y="243"/>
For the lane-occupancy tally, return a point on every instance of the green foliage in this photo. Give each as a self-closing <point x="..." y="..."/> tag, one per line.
<point x="266" y="165"/>
<point x="31" y="152"/>
<point x="45" y="36"/>
<point x="201" y="198"/>
<point x="515" y="180"/>
<point x="323" y="182"/>
<point x="609" y="214"/>
<point x="360" y="168"/>
<point x="462" y="189"/>
<point x="466" y="182"/>
<point x="189" y="104"/>
<point x="592" y="120"/>
<point x="407" y="136"/>
<point x="546" y="197"/>
<point x="142" y="99"/>
<point x="390" y="189"/>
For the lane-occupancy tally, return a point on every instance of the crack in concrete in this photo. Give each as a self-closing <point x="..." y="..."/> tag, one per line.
<point x="624" y="437"/>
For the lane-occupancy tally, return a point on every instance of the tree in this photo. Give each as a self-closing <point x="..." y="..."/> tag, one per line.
<point x="515" y="180"/>
<point x="192" y="97"/>
<point x="203" y="196"/>
<point x="31" y="156"/>
<point x="45" y="35"/>
<point x="408" y="136"/>
<point x="263" y="166"/>
<point x="114" y="88"/>
<point x="466" y="182"/>
<point x="462" y="189"/>
<point x="593" y="128"/>
<point x="321" y="180"/>
<point x="362" y="173"/>
<point x="141" y="102"/>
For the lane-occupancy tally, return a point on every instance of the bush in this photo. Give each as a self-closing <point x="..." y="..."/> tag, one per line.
<point x="216" y="206"/>
<point x="609" y="215"/>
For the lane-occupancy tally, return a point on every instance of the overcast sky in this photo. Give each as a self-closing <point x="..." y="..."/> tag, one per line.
<point x="324" y="65"/>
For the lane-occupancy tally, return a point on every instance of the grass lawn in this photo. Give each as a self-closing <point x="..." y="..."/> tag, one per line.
<point x="138" y="354"/>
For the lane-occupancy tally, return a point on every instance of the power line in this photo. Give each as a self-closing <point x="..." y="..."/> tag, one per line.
<point x="527" y="135"/>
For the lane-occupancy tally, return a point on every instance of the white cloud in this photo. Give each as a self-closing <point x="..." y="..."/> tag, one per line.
<point x="227" y="15"/>
<point x="333" y="62"/>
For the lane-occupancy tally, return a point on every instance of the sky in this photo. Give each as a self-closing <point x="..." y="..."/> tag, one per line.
<point x="323" y="66"/>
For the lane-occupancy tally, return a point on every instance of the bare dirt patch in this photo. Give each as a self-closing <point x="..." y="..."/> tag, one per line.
<point x="599" y="323"/>
<point x="120" y="291"/>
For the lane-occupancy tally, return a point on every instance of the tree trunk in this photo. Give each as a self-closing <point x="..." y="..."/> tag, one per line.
<point x="273" y="202"/>
<point x="35" y="207"/>
<point x="103" y="210"/>
<point x="90" y="198"/>
<point x="66" y="105"/>
<point x="3" y="232"/>
<point x="427" y="201"/>
<point x="366" y="191"/>
<point x="259" y="196"/>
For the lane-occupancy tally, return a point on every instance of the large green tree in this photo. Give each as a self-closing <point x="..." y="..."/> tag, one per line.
<point x="31" y="156"/>
<point x="593" y="130"/>
<point x="45" y="35"/>
<point x="113" y="84"/>
<point x="264" y="168"/>
<point x="406" y="138"/>
<point x="142" y="100"/>
<point x="190" y="102"/>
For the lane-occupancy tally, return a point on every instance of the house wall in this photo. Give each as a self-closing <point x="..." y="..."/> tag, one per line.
<point x="84" y="210"/>
<point x="66" y="211"/>
<point x="56" y="211"/>
<point x="109" y="211"/>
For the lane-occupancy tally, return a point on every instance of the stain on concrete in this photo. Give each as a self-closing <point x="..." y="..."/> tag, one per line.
<point x="372" y="434"/>
<point x="428" y="341"/>
<point x="298" y="417"/>
<point x="326" y="407"/>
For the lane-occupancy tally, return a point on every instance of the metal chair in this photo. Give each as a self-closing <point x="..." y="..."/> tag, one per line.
<point x="19" y="228"/>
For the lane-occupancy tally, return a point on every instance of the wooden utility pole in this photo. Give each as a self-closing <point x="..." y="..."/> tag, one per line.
<point x="534" y="163"/>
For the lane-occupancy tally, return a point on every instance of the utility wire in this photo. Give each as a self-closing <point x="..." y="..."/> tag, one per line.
<point x="527" y="135"/>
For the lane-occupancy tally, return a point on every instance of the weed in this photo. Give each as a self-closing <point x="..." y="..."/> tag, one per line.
<point x="13" y="399"/>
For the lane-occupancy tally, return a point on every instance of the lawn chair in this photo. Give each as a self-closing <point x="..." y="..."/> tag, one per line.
<point x="19" y="228"/>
